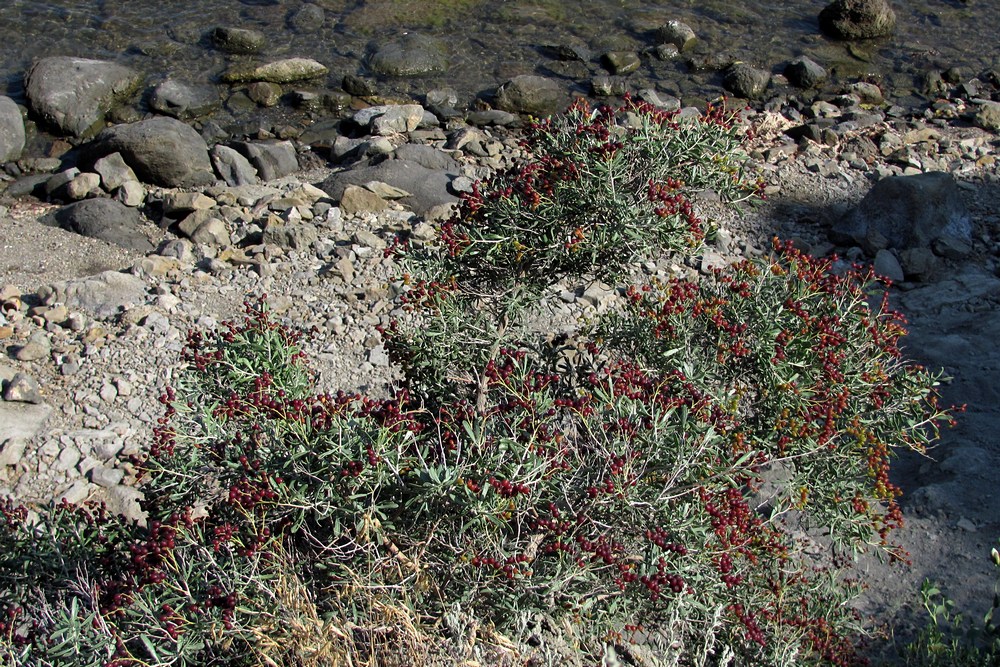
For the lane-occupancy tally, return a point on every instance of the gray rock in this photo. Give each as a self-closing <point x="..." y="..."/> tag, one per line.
<point x="75" y="94"/>
<point x="38" y="347"/>
<point x="429" y="187"/>
<point x="356" y="199"/>
<point x="411" y="55"/>
<point x="76" y="493"/>
<point x="746" y="81"/>
<point x="212" y="232"/>
<point x="804" y="72"/>
<point x="103" y="219"/>
<point x="858" y="19"/>
<point x="492" y="117"/>
<point x="428" y="156"/>
<point x="234" y="169"/>
<point x="907" y="212"/>
<point x="55" y="186"/>
<point x="101" y="296"/>
<point x="309" y="18"/>
<point x="105" y="476"/>
<point x="988" y="116"/>
<point x="867" y="93"/>
<point x="679" y="34"/>
<point x="180" y="203"/>
<point x="607" y="86"/>
<point x="238" y="40"/>
<point x="918" y="263"/>
<point x="12" y="450"/>
<point x="83" y="185"/>
<point x="530" y="94"/>
<point x="887" y="266"/>
<point x="21" y="421"/>
<point x="23" y="388"/>
<point x="124" y="500"/>
<point x="621" y="62"/>
<point x="184" y="100"/>
<point x="264" y="93"/>
<point x="279" y="71"/>
<point x="162" y="151"/>
<point x="291" y="236"/>
<point x="131" y="193"/>
<point x="114" y="172"/>
<point x="390" y="119"/>
<point x="272" y="159"/>
<point x="11" y="130"/>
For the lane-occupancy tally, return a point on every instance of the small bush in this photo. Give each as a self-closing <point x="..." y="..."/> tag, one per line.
<point x="609" y="490"/>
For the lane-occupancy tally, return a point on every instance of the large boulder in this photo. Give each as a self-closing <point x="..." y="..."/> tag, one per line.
<point x="907" y="212"/>
<point x="858" y="19"/>
<point x="530" y="94"/>
<point x="11" y="130"/>
<point x="162" y="151"/>
<point x="104" y="219"/>
<point x="75" y="94"/>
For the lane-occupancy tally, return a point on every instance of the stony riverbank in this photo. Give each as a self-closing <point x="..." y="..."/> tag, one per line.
<point x="113" y="250"/>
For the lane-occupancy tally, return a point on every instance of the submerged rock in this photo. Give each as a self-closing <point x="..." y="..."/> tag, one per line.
<point x="858" y="19"/>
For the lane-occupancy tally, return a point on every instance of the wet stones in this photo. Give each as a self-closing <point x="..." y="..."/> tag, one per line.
<point x="11" y="130"/>
<point x="411" y="55"/>
<point x="279" y="71"/>
<point x="804" y="72"/>
<point x="531" y="94"/>
<point x="183" y="100"/>
<point x="676" y="33"/>
<point x="858" y="19"/>
<point x="238" y="40"/>
<point x="75" y="94"/>
<point x="746" y="81"/>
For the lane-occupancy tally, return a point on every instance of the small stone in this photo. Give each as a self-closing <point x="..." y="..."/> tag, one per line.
<point x="68" y="458"/>
<point x="621" y="62"/>
<point x="264" y="93"/>
<point x="106" y="476"/>
<point x="131" y="194"/>
<point x="608" y="86"/>
<point x="37" y="347"/>
<point x="357" y="199"/>
<point x="378" y="356"/>
<point x="76" y="493"/>
<point x="887" y="265"/>
<point x="109" y="393"/>
<point x="83" y="185"/>
<point x="369" y="240"/>
<point x="178" y="203"/>
<point x="12" y="451"/>
<point x="677" y="33"/>
<point x="24" y="389"/>
<point x="114" y="172"/>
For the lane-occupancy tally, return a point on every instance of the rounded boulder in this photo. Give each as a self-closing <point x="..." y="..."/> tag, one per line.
<point x="162" y="151"/>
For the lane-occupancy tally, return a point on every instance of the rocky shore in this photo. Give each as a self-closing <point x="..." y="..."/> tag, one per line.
<point x="136" y="232"/>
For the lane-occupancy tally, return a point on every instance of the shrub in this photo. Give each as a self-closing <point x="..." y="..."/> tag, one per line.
<point x="607" y="489"/>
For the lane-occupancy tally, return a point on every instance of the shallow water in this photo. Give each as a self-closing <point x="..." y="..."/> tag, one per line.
<point x="490" y="41"/>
